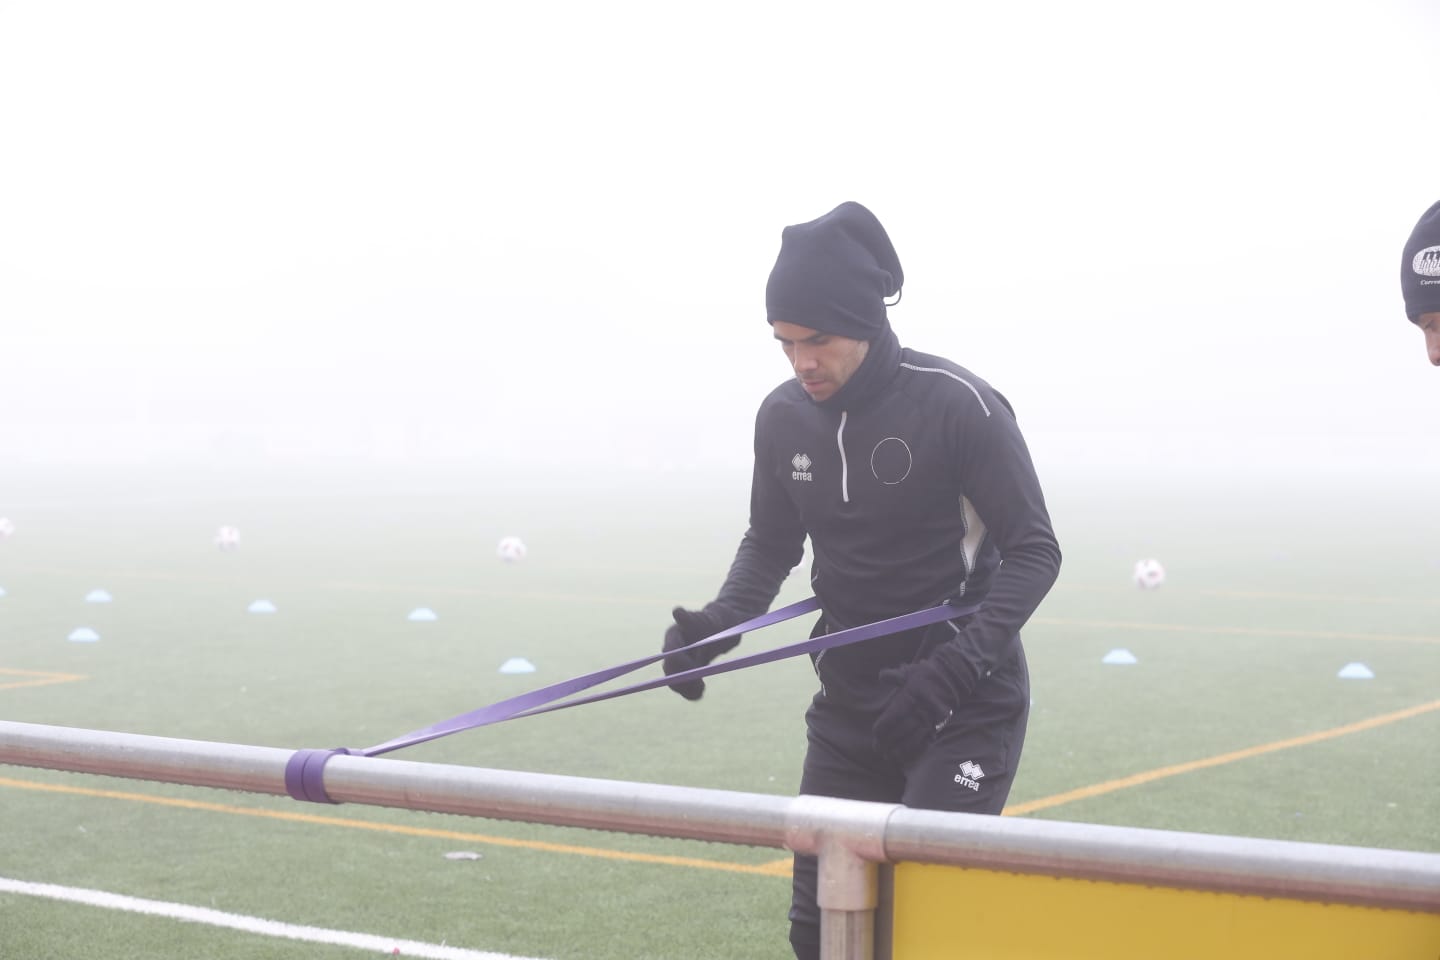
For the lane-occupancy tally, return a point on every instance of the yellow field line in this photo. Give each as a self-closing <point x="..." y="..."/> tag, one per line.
<point x="1135" y="780"/>
<point x="1234" y="631"/>
<point x="1314" y="597"/>
<point x="38" y="678"/>
<point x="1092" y="586"/>
<point x="297" y="817"/>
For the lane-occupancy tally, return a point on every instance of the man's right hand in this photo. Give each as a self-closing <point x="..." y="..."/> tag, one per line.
<point x="690" y="626"/>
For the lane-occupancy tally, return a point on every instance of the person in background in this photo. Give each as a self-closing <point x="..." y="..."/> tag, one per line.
<point x="1420" y="280"/>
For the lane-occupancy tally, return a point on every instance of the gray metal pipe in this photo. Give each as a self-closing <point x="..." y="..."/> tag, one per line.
<point x="660" y="810"/>
<point x="689" y="813"/>
<point x="849" y="837"/>
<point x="198" y="763"/>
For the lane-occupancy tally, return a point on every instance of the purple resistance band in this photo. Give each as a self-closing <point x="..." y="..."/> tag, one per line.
<point x="304" y="772"/>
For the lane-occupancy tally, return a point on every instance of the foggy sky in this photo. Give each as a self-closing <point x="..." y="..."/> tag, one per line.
<point x="541" y="232"/>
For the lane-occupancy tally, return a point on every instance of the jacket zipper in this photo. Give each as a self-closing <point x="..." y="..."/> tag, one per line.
<point x="844" y="465"/>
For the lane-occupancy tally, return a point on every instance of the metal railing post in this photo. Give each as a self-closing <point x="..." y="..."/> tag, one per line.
<point x="848" y="839"/>
<point x="847" y="895"/>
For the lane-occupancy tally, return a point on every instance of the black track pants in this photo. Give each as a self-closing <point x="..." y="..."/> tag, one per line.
<point x="969" y="768"/>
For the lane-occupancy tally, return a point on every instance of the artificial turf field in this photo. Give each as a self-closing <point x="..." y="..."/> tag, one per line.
<point x="1232" y="721"/>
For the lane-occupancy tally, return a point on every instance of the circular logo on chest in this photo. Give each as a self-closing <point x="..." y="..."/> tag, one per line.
<point x="891" y="461"/>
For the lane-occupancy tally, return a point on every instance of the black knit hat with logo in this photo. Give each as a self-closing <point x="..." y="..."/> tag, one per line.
<point x="834" y="274"/>
<point x="1420" y="266"/>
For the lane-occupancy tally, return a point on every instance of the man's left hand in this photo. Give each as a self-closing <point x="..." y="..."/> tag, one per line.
<point x="921" y="704"/>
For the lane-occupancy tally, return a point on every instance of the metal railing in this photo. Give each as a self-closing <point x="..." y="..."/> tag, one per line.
<point x="850" y="838"/>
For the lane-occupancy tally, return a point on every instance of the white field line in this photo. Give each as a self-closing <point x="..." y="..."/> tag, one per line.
<point x="235" y="921"/>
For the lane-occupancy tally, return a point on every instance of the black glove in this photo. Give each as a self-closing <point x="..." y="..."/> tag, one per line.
<point x="690" y="626"/>
<point x="920" y="706"/>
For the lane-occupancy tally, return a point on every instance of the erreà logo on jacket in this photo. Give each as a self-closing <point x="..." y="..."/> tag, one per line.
<point x="801" y="463"/>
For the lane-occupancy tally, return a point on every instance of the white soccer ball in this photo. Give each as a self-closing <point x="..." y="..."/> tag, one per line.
<point x="510" y="549"/>
<point x="1149" y="574"/>
<point x="6" y="528"/>
<point x="227" y="538"/>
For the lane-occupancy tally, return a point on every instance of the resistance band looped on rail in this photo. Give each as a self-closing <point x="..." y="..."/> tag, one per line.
<point x="305" y="769"/>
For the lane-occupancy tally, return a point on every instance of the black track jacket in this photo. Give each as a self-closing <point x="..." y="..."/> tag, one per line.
<point x="913" y="483"/>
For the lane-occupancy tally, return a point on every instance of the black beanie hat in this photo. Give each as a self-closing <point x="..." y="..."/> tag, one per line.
<point x="1420" y="266"/>
<point x="833" y="274"/>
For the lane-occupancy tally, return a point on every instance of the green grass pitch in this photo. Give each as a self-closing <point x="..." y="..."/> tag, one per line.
<point x="1270" y="593"/>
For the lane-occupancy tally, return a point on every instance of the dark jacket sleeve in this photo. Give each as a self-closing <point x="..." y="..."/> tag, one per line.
<point x="998" y="477"/>
<point x="771" y="547"/>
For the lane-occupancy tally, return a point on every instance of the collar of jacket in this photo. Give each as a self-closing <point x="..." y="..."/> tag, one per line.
<point x="881" y="363"/>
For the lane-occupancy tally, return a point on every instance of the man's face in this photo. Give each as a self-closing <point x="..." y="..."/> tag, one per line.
<point x="823" y="362"/>
<point x="1430" y="324"/>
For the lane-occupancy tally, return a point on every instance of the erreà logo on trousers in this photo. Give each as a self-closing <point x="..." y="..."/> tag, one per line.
<point x="969" y="775"/>
<point x="801" y="463"/>
<point x="1427" y="262"/>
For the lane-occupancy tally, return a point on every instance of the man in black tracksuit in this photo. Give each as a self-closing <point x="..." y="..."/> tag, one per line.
<point x="912" y="481"/>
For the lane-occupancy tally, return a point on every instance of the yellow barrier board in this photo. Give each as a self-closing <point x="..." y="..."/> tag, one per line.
<point x="943" y="912"/>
